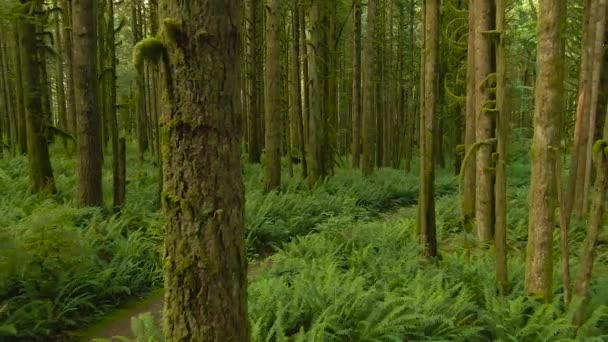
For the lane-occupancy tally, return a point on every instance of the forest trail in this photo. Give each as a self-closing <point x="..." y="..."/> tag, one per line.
<point x="118" y="323"/>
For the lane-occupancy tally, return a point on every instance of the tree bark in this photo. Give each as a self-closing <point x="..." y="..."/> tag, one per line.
<point x="296" y="95"/>
<point x="549" y="91"/>
<point x="468" y="190"/>
<point x="86" y="91"/>
<point x="356" y="108"/>
<point x="68" y="57"/>
<point x="426" y="213"/>
<point x="272" y="97"/>
<point x="41" y="172"/>
<point x="369" y="72"/>
<point x="203" y="198"/>
<point x="500" y="187"/>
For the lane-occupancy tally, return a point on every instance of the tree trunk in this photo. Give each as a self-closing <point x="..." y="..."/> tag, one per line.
<point x="484" y="82"/>
<point x="500" y="187"/>
<point x="86" y="91"/>
<point x="369" y="122"/>
<point x="272" y="97"/>
<point x="203" y="198"/>
<point x="426" y="212"/>
<point x="469" y="177"/>
<point x="68" y="57"/>
<point x="41" y="172"/>
<point x="356" y="109"/>
<point x="598" y="57"/>
<point x="59" y="77"/>
<point x="296" y="94"/>
<point x="549" y="91"/>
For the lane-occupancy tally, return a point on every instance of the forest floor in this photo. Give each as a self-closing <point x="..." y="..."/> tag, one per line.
<point x="118" y="324"/>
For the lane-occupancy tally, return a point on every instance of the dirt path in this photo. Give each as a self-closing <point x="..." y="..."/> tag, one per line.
<point x="118" y="323"/>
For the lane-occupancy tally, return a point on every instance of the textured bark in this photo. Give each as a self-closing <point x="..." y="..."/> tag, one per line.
<point x="68" y="57"/>
<point x="500" y="187"/>
<point x="484" y="126"/>
<point x="356" y="108"/>
<point x="468" y="190"/>
<point x="203" y="198"/>
<point x="598" y="57"/>
<point x="426" y="212"/>
<point x="305" y="79"/>
<point x="272" y="97"/>
<point x="41" y="172"/>
<point x="576" y="191"/>
<point x="254" y="19"/>
<point x="549" y="92"/>
<point x="86" y="91"/>
<point x="297" y="125"/>
<point x="59" y="74"/>
<point x="120" y="189"/>
<point x="141" y="110"/>
<point x="317" y="118"/>
<point x="595" y="224"/>
<point x="19" y="93"/>
<point x="117" y="177"/>
<point x="369" y="122"/>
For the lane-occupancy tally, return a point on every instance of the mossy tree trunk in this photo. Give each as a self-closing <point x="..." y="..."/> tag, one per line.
<point x="356" y="96"/>
<point x="549" y="92"/>
<point x="59" y="74"/>
<point x="297" y="125"/>
<point x="141" y="120"/>
<point x="500" y="187"/>
<point x="485" y="81"/>
<point x="254" y="79"/>
<point x="203" y="197"/>
<point x="470" y="174"/>
<point x="87" y="105"/>
<point x="68" y="58"/>
<point x="19" y="94"/>
<point x="272" y="97"/>
<point x="426" y="210"/>
<point x="369" y="89"/>
<point x="41" y="172"/>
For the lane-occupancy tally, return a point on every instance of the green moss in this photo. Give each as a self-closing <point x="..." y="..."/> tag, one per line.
<point x="150" y="49"/>
<point x="599" y="146"/>
<point x="172" y="29"/>
<point x="459" y="149"/>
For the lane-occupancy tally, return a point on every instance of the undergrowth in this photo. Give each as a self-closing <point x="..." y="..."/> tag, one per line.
<point x="63" y="266"/>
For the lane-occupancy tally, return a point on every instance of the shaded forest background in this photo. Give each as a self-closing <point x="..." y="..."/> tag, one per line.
<point x="417" y="170"/>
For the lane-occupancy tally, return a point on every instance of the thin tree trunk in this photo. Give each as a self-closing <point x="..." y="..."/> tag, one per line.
<point x="86" y="91"/>
<point x="426" y="213"/>
<point x="272" y="97"/>
<point x="296" y="116"/>
<point x="68" y="57"/>
<point x="549" y="91"/>
<point x="367" y="134"/>
<point x="59" y="77"/>
<point x="500" y="188"/>
<point x="41" y="172"/>
<point x="357" y="114"/>
<point x="468" y="190"/>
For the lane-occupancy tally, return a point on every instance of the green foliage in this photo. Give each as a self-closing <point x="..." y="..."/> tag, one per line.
<point x="150" y="49"/>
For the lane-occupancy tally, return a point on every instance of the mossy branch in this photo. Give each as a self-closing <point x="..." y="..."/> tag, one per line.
<point x="150" y="49"/>
<point x="472" y="150"/>
<point x="600" y="149"/>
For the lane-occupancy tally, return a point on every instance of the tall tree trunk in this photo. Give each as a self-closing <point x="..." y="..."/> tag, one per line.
<point x="469" y="177"/>
<point x="369" y="122"/>
<point x="296" y="94"/>
<point x="41" y="172"/>
<point x="356" y="108"/>
<point x="484" y="82"/>
<point x="598" y="57"/>
<point x="500" y="187"/>
<point x="305" y="79"/>
<point x="117" y="180"/>
<point x="426" y="211"/>
<point x="141" y="122"/>
<point x="272" y="96"/>
<point x="59" y="77"/>
<point x="595" y="224"/>
<point x="68" y="57"/>
<point x="206" y="263"/>
<point x="317" y="96"/>
<point x="254" y="19"/>
<point x="86" y="91"/>
<point x="19" y="91"/>
<point x="549" y="91"/>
